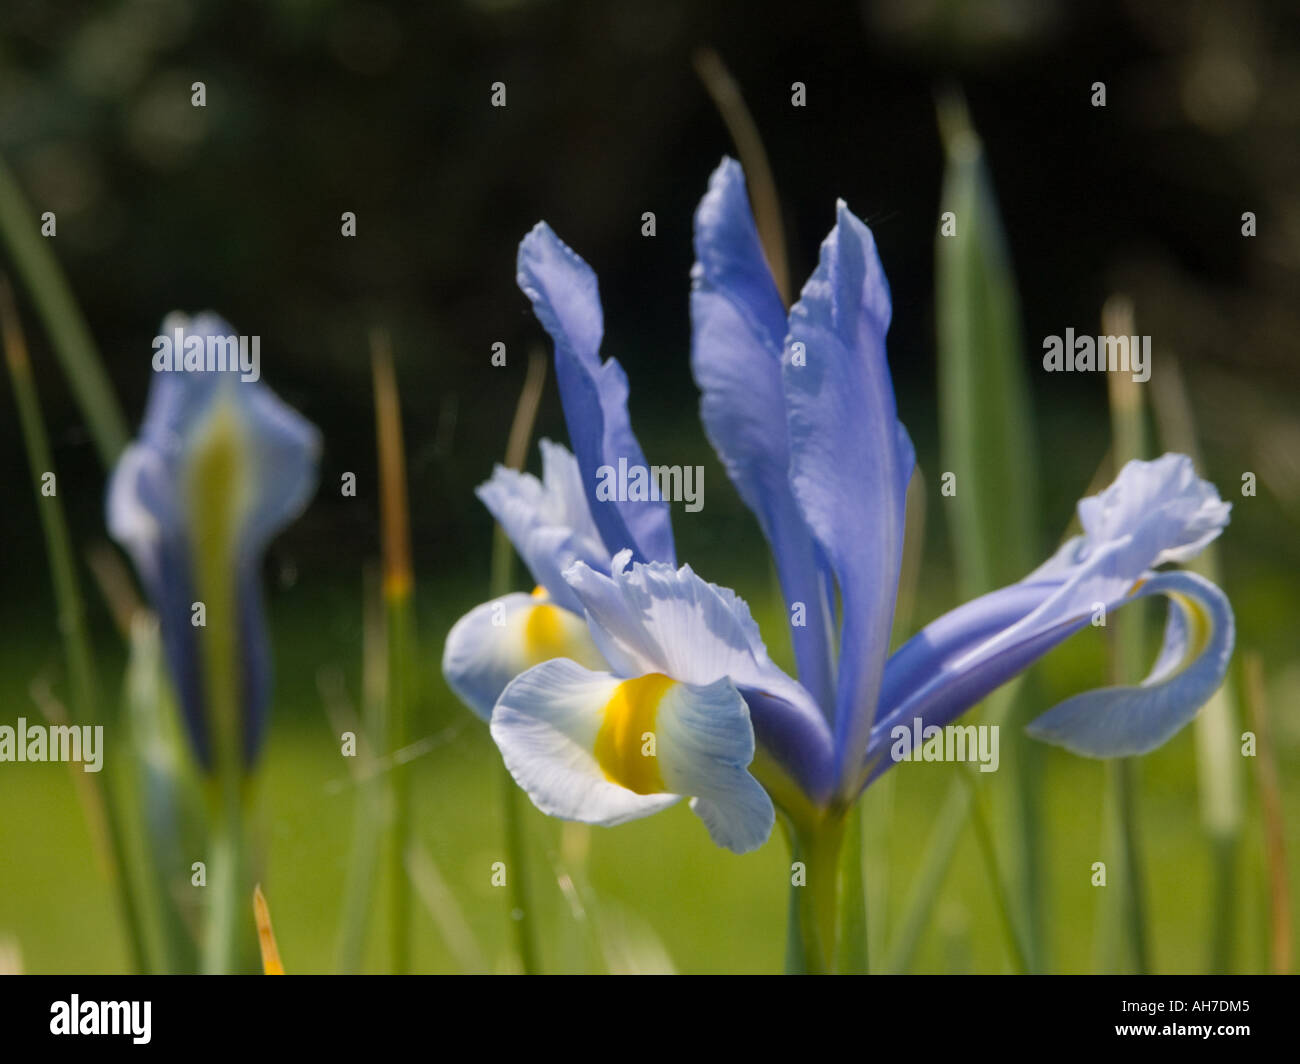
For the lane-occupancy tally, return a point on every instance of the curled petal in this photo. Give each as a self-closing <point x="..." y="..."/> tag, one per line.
<point x="496" y="641"/>
<point x="592" y="747"/>
<point x="1125" y="721"/>
<point x="563" y="291"/>
<point x="1154" y="512"/>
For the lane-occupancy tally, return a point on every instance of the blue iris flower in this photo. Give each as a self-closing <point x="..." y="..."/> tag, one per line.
<point x="625" y="683"/>
<point x="221" y="465"/>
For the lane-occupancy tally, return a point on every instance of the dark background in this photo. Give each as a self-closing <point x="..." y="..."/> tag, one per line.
<point x="384" y="109"/>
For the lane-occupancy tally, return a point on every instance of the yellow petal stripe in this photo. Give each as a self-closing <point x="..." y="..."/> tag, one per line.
<point x="626" y="748"/>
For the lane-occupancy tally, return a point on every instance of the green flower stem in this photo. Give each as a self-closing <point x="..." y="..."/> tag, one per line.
<point x="810" y="945"/>
<point x="853" y="955"/>
<point x="71" y="614"/>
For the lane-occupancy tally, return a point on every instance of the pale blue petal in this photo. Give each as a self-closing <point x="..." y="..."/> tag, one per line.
<point x="849" y="462"/>
<point x="738" y="327"/>
<point x="1154" y="512"/>
<point x="545" y="725"/>
<point x="146" y="513"/>
<point x="652" y="618"/>
<point x="1126" y="721"/>
<point x="495" y="642"/>
<point x="563" y="291"/>
<point x="548" y="520"/>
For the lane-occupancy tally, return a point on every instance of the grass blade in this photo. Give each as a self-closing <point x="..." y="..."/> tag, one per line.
<point x="71" y="613"/>
<point x="1128" y="658"/>
<point x="987" y="442"/>
<point x="399" y="633"/>
<point x="66" y="328"/>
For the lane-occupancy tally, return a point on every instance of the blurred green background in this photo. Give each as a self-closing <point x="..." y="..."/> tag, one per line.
<point x="315" y="108"/>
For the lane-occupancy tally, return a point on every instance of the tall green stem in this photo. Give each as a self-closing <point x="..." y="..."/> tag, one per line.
<point x="853" y="954"/>
<point x="814" y="885"/>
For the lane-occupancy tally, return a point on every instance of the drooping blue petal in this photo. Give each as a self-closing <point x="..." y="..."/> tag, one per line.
<point x="592" y="747"/>
<point x="654" y="619"/>
<point x="1154" y="512"/>
<point x="148" y="512"/>
<point x="850" y="462"/>
<point x="738" y="327"/>
<point x="565" y="298"/>
<point x="548" y="521"/>
<point x="1126" y="721"/>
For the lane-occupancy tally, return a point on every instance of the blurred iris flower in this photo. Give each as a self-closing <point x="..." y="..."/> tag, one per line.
<point x="221" y="465"/>
<point x="667" y="690"/>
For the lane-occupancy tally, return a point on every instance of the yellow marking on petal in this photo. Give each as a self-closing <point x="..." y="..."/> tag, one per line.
<point x="621" y="743"/>
<point x="266" y="935"/>
<point x="539" y="592"/>
<point x="1200" y="623"/>
<point x="219" y="494"/>
<point x="546" y="636"/>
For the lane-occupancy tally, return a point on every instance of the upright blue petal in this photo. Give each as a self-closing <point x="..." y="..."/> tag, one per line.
<point x="738" y="327"/>
<point x="150" y="511"/>
<point x="563" y="291"/>
<point x="850" y="462"/>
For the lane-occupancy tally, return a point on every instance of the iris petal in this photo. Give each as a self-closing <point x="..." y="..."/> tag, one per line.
<point x="1125" y="721"/>
<point x="654" y="619"/>
<point x="548" y="520"/>
<point x="1154" y="512"/>
<point x="148" y="510"/>
<point x="738" y="327"/>
<point x="497" y="640"/>
<point x="563" y="291"/>
<point x="850" y="461"/>
<point x="553" y="725"/>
